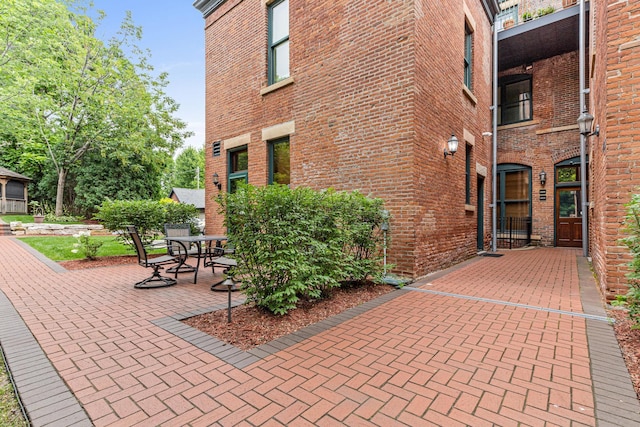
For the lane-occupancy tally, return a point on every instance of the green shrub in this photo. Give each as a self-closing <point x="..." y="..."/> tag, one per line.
<point x="63" y="219"/>
<point x="88" y="246"/>
<point x="149" y="217"/>
<point x="632" y="226"/>
<point x="298" y="243"/>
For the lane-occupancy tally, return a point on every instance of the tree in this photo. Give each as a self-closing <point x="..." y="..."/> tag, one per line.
<point x="85" y="95"/>
<point x="106" y="177"/>
<point x="25" y="27"/>
<point x="189" y="169"/>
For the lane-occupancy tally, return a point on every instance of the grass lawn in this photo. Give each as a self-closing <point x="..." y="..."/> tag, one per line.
<point x="58" y="248"/>
<point x="10" y="414"/>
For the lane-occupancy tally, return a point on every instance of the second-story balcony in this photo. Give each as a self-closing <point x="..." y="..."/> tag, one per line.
<point x="515" y="12"/>
<point x="540" y="29"/>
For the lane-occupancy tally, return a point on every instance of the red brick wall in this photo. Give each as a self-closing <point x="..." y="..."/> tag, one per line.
<point x="445" y="231"/>
<point x="377" y="92"/>
<point x="551" y="137"/>
<point x="615" y="154"/>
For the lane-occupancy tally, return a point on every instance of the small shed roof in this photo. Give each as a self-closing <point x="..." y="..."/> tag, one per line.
<point x="11" y="174"/>
<point x="189" y="196"/>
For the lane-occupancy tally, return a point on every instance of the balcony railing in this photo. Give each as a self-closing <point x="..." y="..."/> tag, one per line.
<point x="514" y="12"/>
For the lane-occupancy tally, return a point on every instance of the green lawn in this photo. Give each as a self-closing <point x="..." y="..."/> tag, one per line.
<point x="21" y="218"/>
<point x="10" y="414"/>
<point x="58" y="248"/>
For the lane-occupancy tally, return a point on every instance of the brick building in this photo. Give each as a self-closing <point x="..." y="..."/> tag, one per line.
<point x="538" y="162"/>
<point x="539" y="60"/>
<point x="358" y="95"/>
<point x="614" y="53"/>
<point x="364" y="95"/>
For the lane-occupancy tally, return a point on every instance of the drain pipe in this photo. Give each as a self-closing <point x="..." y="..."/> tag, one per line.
<point x="494" y="168"/>
<point x="583" y="138"/>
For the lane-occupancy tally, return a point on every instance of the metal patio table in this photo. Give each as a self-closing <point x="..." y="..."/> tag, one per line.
<point x="186" y="241"/>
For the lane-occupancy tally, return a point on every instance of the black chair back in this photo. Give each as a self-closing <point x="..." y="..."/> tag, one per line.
<point x="140" y="250"/>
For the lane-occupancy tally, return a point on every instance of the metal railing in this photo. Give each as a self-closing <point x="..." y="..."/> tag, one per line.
<point x="513" y="232"/>
<point x="514" y="12"/>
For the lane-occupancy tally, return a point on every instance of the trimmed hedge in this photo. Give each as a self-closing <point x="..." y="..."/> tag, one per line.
<point x="298" y="243"/>
<point x="149" y="217"/>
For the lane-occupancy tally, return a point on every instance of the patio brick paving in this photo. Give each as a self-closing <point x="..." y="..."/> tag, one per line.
<point x="492" y="341"/>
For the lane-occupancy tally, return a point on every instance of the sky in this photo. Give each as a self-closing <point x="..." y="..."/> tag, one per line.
<point x="173" y="31"/>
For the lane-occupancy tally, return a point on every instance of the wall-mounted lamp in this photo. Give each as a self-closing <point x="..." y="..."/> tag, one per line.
<point x="216" y="181"/>
<point x="585" y="121"/>
<point x="452" y="144"/>
<point x="543" y="177"/>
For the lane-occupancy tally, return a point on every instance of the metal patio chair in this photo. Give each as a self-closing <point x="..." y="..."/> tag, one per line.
<point x="156" y="280"/>
<point x="177" y="249"/>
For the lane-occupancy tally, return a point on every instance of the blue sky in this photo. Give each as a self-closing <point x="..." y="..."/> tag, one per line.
<point x="173" y="30"/>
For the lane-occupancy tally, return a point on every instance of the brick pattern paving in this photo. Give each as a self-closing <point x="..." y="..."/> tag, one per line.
<point x="416" y="359"/>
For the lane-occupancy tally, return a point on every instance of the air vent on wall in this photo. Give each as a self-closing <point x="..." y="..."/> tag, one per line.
<point x="216" y="148"/>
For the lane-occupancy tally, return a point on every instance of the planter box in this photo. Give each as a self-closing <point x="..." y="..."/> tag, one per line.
<point x="568" y="3"/>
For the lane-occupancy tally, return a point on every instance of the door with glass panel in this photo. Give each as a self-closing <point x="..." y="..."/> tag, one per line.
<point x="569" y="217"/>
<point x="568" y="206"/>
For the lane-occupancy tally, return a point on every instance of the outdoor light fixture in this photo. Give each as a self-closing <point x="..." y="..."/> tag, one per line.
<point x="585" y="121"/>
<point x="216" y="181"/>
<point x="452" y="144"/>
<point x="543" y="177"/>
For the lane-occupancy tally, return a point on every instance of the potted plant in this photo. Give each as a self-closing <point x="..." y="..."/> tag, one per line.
<point x="546" y="11"/>
<point x="37" y="212"/>
<point x="527" y="16"/>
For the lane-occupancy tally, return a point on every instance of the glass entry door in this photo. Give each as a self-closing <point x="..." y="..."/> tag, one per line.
<point x="568" y="217"/>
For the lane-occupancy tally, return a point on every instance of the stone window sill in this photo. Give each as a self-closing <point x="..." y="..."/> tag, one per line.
<point x="469" y="95"/>
<point x="276" y="86"/>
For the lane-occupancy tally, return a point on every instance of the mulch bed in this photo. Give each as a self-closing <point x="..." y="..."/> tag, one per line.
<point x="252" y="326"/>
<point x="629" y="341"/>
<point x="104" y="261"/>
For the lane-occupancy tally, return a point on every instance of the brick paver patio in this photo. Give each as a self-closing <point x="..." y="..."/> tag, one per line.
<point x="517" y="340"/>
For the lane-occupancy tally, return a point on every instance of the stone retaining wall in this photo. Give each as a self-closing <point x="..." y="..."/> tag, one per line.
<point x="32" y="229"/>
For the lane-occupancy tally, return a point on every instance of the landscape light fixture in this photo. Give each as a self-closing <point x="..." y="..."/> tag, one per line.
<point x="585" y="121"/>
<point x="543" y="177"/>
<point x="216" y="181"/>
<point x="452" y="145"/>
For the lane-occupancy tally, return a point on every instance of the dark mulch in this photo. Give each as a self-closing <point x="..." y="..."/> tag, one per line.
<point x="629" y="341"/>
<point x="252" y="326"/>
<point x="103" y="261"/>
